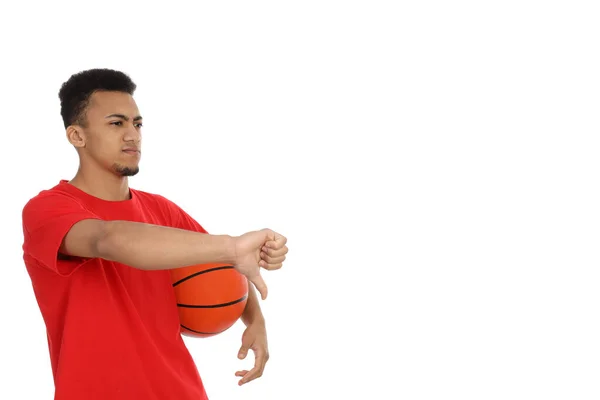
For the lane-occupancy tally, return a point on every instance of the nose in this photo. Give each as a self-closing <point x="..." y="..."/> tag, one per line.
<point x="132" y="134"/>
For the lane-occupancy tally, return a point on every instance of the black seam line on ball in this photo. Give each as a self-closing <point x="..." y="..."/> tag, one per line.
<point x="213" y="305"/>
<point x="202" y="333"/>
<point x="200" y="273"/>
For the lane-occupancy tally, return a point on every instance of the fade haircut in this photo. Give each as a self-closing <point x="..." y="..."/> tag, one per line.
<point x="75" y="93"/>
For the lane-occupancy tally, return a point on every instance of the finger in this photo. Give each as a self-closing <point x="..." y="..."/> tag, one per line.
<point x="275" y="252"/>
<point x="277" y="242"/>
<point x="243" y="352"/>
<point x="259" y="284"/>
<point x="270" y="263"/>
<point x="241" y="373"/>
<point x="257" y="371"/>
<point x="272" y="259"/>
<point x="270" y="267"/>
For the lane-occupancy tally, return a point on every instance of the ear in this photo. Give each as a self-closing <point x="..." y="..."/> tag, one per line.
<point x="76" y="136"/>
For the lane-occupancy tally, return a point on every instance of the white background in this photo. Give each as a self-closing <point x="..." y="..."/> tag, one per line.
<point x="434" y="166"/>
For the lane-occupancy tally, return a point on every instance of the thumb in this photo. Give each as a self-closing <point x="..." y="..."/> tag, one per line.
<point x="246" y="344"/>
<point x="243" y="352"/>
<point x="260" y="285"/>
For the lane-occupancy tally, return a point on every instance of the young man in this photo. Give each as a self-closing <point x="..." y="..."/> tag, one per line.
<point x="99" y="252"/>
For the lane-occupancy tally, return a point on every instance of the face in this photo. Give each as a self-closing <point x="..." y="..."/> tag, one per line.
<point x="111" y="138"/>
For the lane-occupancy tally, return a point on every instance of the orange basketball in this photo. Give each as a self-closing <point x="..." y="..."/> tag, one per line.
<point x="210" y="298"/>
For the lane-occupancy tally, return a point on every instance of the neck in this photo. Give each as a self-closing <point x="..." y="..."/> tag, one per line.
<point x="102" y="184"/>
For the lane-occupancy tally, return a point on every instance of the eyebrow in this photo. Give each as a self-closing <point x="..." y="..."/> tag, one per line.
<point x="125" y="117"/>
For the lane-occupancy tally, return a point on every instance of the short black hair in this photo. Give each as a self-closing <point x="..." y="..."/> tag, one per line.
<point x="75" y="93"/>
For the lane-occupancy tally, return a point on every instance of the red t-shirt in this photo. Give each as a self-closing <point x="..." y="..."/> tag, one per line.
<point x="113" y="331"/>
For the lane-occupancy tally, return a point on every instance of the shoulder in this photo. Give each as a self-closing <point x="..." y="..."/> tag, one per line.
<point x="58" y="194"/>
<point x="51" y="199"/>
<point x="50" y="206"/>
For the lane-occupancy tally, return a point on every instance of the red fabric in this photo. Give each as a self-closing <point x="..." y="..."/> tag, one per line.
<point x="113" y="331"/>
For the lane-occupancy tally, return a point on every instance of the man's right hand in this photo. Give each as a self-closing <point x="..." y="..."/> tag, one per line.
<point x="253" y="250"/>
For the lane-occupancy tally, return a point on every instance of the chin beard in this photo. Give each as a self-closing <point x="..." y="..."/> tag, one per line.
<point x="126" y="171"/>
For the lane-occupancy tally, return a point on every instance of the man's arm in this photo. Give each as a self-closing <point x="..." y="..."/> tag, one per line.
<point x="152" y="247"/>
<point x="146" y="246"/>
<point x="252" y="313"/>
<point x="254" y="338"/>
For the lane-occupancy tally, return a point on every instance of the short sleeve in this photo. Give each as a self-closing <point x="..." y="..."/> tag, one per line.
<point x="47" y="218"/>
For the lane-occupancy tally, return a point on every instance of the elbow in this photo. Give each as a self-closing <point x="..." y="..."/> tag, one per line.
<point x="103" y="245"/>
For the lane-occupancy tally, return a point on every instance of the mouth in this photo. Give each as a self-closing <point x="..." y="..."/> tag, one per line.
<point x="132" y="152"/>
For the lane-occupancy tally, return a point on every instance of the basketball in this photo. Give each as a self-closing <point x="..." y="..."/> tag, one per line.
<point x="210" y="298"/>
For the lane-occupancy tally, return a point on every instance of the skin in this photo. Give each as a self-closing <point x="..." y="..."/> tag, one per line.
<point x="100" y="143"/>
<point x="108" y="140"/>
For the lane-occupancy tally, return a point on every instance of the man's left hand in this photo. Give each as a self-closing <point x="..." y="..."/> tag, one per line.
<point x="255" y="339"/>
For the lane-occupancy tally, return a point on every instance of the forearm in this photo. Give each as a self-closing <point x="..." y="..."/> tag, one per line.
<point x="252" y="313"/>
<point x="153" y="247"/>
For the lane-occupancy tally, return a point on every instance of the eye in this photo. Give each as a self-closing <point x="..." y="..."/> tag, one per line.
<point x="117" y="123"/>
<point x="139" y="125"/>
